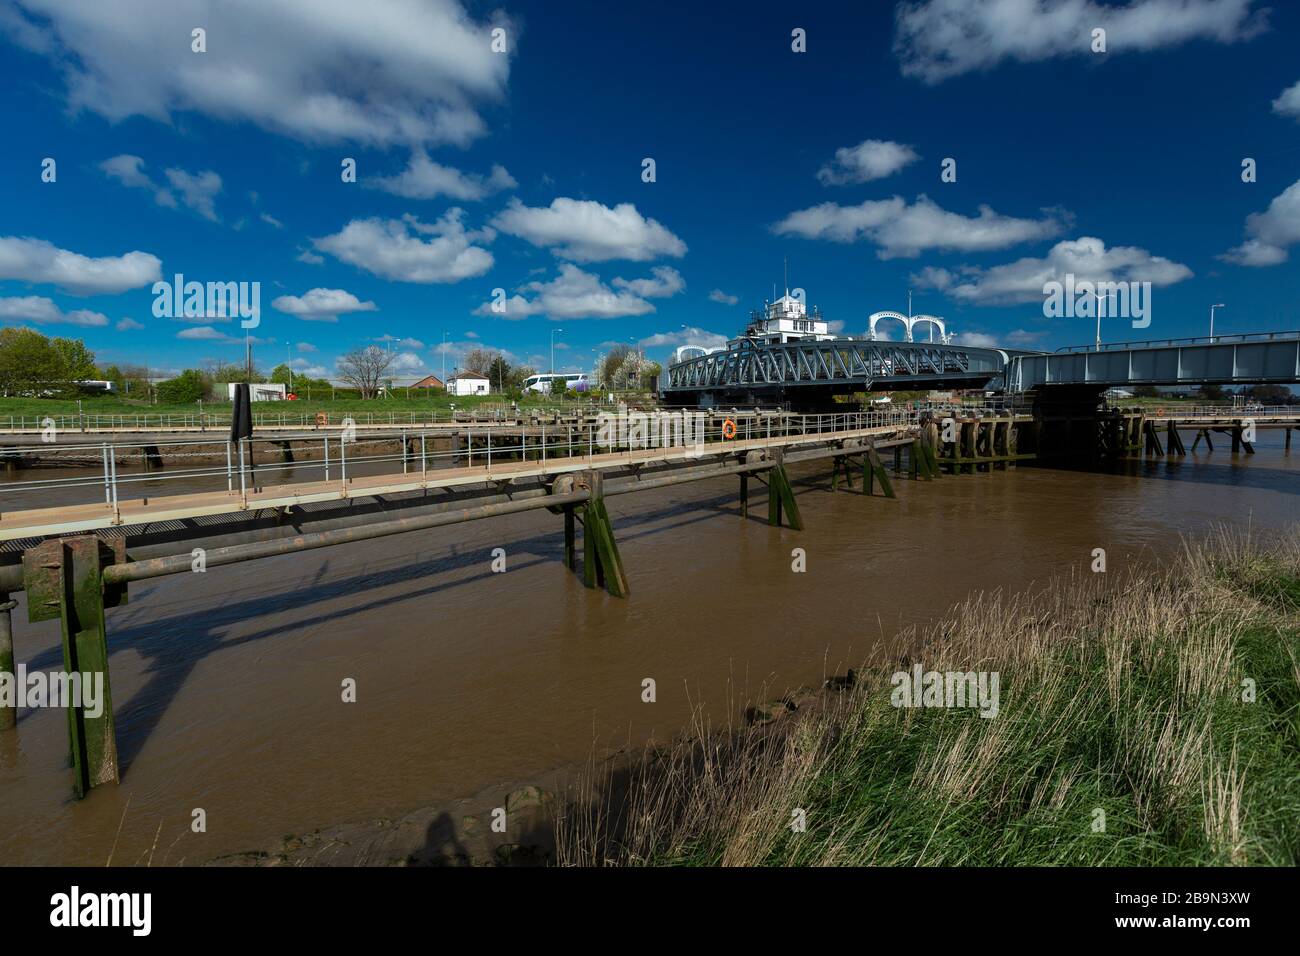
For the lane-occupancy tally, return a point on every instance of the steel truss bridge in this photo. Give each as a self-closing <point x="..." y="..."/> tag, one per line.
<point x="810" y="372"/>
<point x="833" y="365"/>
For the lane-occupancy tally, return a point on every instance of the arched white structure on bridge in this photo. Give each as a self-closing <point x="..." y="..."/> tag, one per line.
<point x="909" y="324"/>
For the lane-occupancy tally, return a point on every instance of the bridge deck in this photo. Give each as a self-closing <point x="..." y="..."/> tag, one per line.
<point x="78" y="518"/>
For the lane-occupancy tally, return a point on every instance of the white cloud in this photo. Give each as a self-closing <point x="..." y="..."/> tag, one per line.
<point x="425" y="179"/>
<point x="384" y="72"/>
<point x="702" y="338"/>
<point x="197" y="190"/>
<point x="939" y="39"/>
<point x="387" y="248"/>
<point x="304" y="367"/>
<point x="204" y="333"/>
<point x="128" y="325"/>
<point x="1025" y="337"/>
<point x="401" y="343"/>
<point x="306" y="347"/>
<point x="322" y="305"/>
<point x="407" y="362"/>
<point x="1270" y="232"/>
<point x="35" y="260"/>
<point x="902" y="230"/>
<point x="1087" y="258"/>
<point x="717" y="295"/>
<point x="310" y="258"/>
<point x="870" y="159"/>
<point x="573" y="294"/>
<point x="43" y="311"/>
<point x="272" y="221"/>
<point x="666" y="282"/>
<point x="587" y="231"/>
<point x="1288" y="104"/>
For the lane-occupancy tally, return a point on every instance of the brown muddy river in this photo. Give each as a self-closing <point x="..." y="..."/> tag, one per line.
<point x="226" y="685"/>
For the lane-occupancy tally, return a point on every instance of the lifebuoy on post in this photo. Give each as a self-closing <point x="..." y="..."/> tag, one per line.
<point x="728" y="430"/>
<point x="322" y="420"/>
<point x="1160" y="412"/>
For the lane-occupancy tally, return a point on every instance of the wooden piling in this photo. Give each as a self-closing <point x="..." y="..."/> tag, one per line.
<point x="8" y="714"/>
<point x="878" y="470"/>
<point x="781" y="503"/>
<point x="1174" y="441"/>
<point x="63" y="578"/>
<point x="601" y="563"/>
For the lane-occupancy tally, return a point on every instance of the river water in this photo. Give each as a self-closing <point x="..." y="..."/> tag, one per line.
<point x="227" y="685"/>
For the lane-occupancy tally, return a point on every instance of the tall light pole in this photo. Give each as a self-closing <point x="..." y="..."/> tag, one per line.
<point x="553" y="331"/>
<point x="444" y="359"/>
<point x="1217" y="305"/>
<point x="1100" y="299"/>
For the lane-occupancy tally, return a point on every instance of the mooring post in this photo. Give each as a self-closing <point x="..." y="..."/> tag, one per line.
<point x="602" y="563"/>
<point x="8" y="713"/>
<point x="63" y="578"/>
<point x="878" y="469"/>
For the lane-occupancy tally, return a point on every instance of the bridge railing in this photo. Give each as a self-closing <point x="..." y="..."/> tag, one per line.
<point x="1222" y="411"/>
<point x="148" y="468"/>
<point x="1235" y="339"/>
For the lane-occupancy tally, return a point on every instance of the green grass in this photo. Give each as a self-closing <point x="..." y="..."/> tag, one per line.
<point x="344" y="403"/>
<point x="1119" y="696"/>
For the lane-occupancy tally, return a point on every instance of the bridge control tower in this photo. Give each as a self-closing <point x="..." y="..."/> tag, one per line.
<point x="785" y="320"/>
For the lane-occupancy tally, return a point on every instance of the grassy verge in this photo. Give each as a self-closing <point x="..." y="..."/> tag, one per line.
<point x="1147" y="721"/>
<point x="344" y="403"/>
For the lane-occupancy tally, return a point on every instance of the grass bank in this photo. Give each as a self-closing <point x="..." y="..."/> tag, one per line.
<point x="1150" y="721"/>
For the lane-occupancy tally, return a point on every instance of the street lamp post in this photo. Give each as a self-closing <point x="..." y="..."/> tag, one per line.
<point x="1217" y="305"/>
<point x="1100" y="298"/>
<point x="553" y="331"/>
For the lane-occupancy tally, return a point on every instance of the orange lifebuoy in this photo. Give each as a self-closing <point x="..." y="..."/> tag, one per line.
<point x="728" y="429"/>
<point x="322" y="419"/>
<point x="1160" y="412"/>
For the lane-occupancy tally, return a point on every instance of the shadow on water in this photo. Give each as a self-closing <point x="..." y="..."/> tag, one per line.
<point x="1222" y="469"/>
<point x="171" y="661"/>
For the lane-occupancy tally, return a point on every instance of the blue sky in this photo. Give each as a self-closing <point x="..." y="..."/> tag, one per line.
<point x="522" y="171"/>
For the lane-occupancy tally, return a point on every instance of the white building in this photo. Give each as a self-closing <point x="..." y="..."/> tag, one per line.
<point x="468" y="383"/>
<point x="261" y="391"/>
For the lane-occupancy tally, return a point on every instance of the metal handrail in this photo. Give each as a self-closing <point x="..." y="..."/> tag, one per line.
<point x="239" y="474"/>
<point x="1233" y="339"/>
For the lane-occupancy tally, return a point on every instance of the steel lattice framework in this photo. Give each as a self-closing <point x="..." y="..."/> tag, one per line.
<point x="856" y="363"/>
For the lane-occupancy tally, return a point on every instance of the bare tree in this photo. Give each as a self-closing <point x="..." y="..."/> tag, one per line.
<point x="364" y="368"/>
<point x="479" y="360"/>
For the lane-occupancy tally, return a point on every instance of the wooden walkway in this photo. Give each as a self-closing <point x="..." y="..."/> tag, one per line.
<point x="70" y="519"/>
